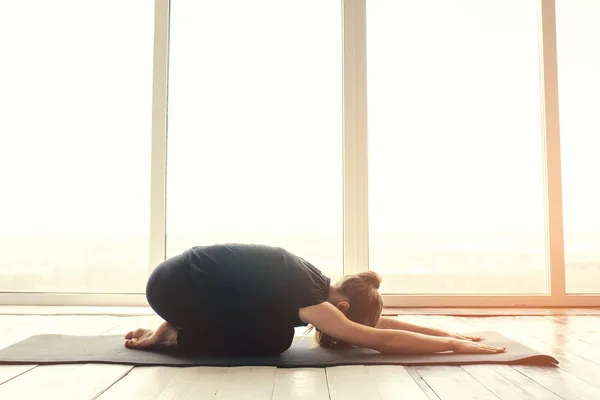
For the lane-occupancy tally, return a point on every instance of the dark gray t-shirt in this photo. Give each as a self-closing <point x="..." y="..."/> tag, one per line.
<point x="270" y="276"/>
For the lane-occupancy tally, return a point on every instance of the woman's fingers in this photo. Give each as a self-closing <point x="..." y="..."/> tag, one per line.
<point x="465" y="346"/>
<point x="491" y="349"/>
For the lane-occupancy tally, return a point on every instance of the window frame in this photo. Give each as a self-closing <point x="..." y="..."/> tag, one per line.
<point x="356" y="172"/>
<point x="355" y="175"/>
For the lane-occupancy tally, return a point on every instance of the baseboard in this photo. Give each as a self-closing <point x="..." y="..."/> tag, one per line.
<point x="143" y="311"/>
<point x="491" y="312"/>
<point x="76" y="310"/>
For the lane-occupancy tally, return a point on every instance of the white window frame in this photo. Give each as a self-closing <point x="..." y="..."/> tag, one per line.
<point x="355" y="175"/>
<point x="356" y="172"/>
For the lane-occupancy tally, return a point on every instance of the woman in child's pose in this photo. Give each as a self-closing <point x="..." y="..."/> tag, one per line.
<point x="238" y="299"/>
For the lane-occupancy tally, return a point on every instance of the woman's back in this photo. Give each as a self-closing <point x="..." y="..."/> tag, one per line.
<point x="271" y="276"/>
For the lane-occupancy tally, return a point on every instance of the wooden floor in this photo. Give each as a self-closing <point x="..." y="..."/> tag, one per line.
<point x="574" y="340"/>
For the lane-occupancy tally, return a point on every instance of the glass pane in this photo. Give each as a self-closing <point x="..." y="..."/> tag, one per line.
<point x="76" y="97"/>
<point x="455" y="151"/>
<point x="578" y="32"/>
<point x="254" y="144"/>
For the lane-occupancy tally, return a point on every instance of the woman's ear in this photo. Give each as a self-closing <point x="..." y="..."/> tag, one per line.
<point x="343" y="306"/>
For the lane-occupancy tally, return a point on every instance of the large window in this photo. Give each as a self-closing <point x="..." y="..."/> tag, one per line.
<point x="75" y="106"/>
<point x="255" y="127"/>
<point x="578" y="40"/>
<point x="449" y="145"/>
<point x="456" y="199"/>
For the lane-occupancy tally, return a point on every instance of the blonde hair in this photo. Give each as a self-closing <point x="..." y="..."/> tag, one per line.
<point x="366" y="304"/>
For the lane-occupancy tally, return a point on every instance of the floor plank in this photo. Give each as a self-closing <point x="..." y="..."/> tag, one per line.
<point x="574" y="378"/>
<point x="350" y="382"/>
<point x="574" y="340"/>
<point x="581" y="324"/>
<point x="8" y="372"/>
<point x="528" y="332"/>
<point x="301" y="383"/>
<point x="566" y="335"/>
<point x="255" y="383"/>
<point x="453" y="383"/>
<point x="574" y="347"/>
<point x="444" y="322"/>
<point x="592" y="338"/>
<point x="200" y="383"/>
<point x="391" y="380"/>
<point x="425" y="388"/>
<point x="20" y="328"/>
<point x="141" y="383"/>
<point x="75" y="310"/>
<point x="8" y="322"/>
<point x="65" y="382"/>
<point x="56" y="380"/>
<point x="560" y="382"/>
<point x="8" y="326"/>
<point x="490" y="312"/>
<point x="507" y="383"/>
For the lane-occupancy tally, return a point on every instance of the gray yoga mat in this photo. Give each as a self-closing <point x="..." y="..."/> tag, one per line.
<point x="59" y="349"/>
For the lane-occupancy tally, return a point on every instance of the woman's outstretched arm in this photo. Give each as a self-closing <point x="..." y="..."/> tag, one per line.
<point x="394" y="323"/>
<point x="331" y="321"/>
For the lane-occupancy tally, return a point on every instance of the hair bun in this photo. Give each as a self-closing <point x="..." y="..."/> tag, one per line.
<point x="371" y="278"/>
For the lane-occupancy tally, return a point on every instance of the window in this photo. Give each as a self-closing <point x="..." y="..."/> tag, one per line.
<point x="577" y="34"/>
<point x="75" y="100"/>
<point x="456" y="197"/>
<point x="416" y="139"/>
<point x="255" y="127"/>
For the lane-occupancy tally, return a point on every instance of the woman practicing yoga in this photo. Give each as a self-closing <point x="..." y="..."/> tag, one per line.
<point x="239" y="299"/>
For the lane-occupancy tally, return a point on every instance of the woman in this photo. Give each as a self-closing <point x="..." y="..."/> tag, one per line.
<point x="244" y="300"/>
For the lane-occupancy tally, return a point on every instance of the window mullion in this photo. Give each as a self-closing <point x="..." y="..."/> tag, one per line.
<point x="552" y="157"/>
<point x="356" y="240"/>
<point x="159" y="135"/>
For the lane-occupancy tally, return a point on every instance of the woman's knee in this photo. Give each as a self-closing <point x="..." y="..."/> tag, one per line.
<point x="166" y="282"/>
<point x="281" y="340"/>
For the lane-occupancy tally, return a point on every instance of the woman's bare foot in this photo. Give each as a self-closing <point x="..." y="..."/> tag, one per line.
<point x="165" y="336"/>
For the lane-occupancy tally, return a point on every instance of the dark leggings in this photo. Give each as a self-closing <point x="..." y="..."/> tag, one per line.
<point x="214" y="320"/>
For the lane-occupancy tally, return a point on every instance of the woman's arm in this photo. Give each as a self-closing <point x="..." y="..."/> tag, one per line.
<point x="394" y="323"/>
<point x="331" y="321"/>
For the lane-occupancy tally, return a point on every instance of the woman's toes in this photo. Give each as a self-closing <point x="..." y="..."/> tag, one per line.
<point x="164" y="336"/>
<point x="133" y="344"/>
<point x="140" y="332"/>
<point x="139" y="343"/>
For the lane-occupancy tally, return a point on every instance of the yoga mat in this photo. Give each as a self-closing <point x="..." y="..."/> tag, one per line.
<point x="59" y="349"/>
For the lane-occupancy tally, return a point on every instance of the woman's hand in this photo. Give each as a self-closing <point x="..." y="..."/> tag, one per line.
<point x="469" y="347"/>
<point x="473" y="338"/>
